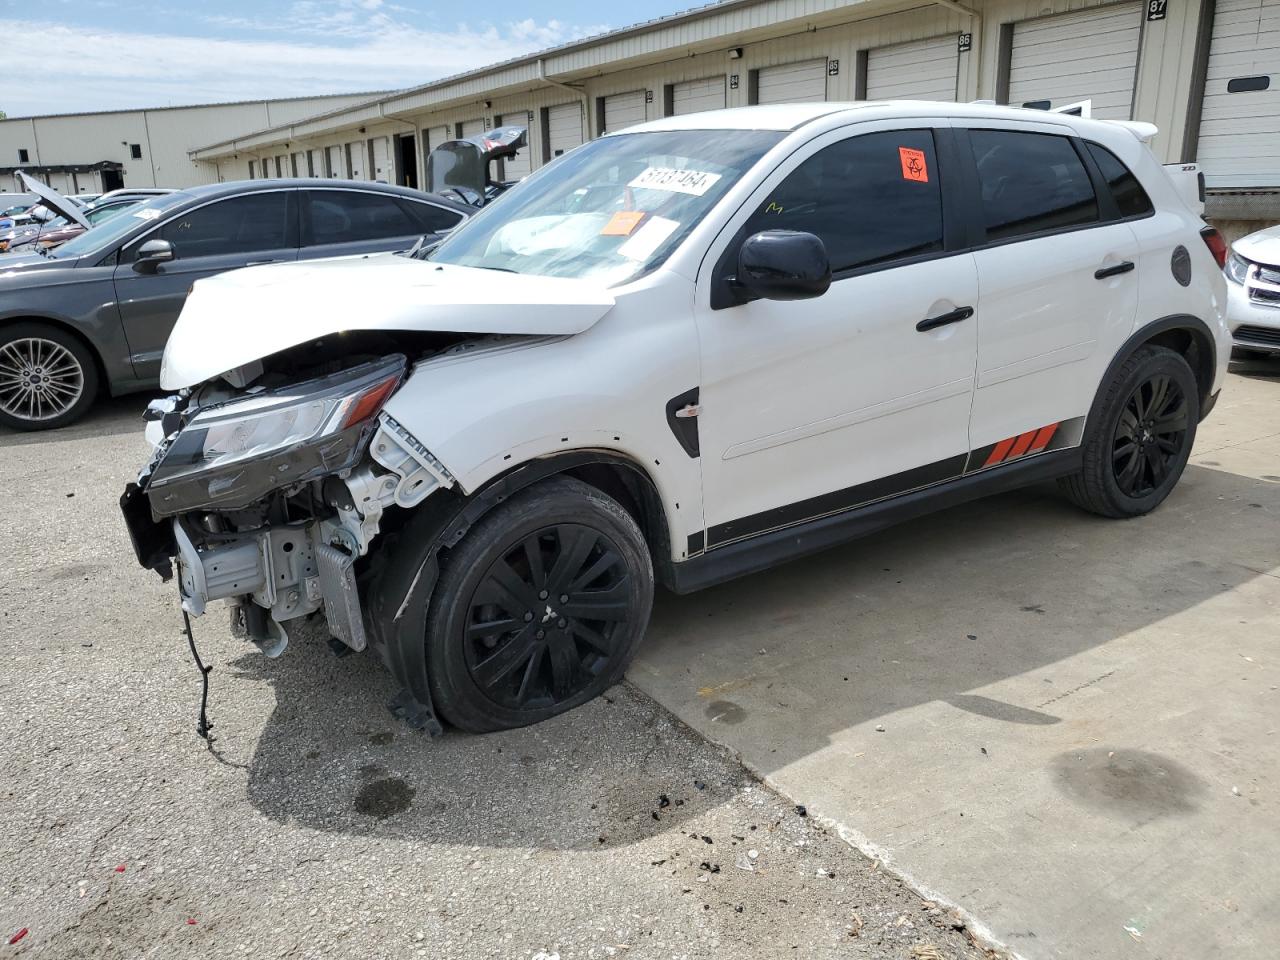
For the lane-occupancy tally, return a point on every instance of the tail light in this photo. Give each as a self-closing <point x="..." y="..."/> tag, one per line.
<point x="1217" y="246"/>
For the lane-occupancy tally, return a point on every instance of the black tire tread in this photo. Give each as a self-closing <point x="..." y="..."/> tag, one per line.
<point x="448" y="689"/>
<point x="1087" y="489"/>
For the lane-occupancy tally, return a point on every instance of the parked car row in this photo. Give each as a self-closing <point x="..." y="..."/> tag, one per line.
<point x="96" y="310"/>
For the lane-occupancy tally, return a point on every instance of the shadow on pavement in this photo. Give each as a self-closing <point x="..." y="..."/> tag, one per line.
<point x="109" y="417"/>
<point x="333" y="758"/>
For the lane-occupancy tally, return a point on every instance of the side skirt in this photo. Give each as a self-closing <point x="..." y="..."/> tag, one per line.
<point x="743" y="557"/>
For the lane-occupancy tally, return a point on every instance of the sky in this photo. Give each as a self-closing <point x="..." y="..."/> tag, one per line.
<point x="62" y="56"/>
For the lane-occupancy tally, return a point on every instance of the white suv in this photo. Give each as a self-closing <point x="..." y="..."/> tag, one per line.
<point x="681" y="353"/>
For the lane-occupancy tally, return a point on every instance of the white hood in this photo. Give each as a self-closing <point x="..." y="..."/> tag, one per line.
<point x="245" y="315"/>
<point x="54" y="200"/>
<point x="1260" y="247"/>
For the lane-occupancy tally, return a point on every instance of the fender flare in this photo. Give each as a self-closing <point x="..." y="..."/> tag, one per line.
<point x="401" y="588"/>
<point x="1177" y="321"/>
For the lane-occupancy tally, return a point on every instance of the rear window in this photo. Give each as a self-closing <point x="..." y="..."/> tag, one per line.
<point x="1125" y="188"/>
<point x="1031" y="183"/>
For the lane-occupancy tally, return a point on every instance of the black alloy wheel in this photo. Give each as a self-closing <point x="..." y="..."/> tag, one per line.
<point x="1150" y="434"/>
<point x="1138" y="436"/>
<point x="539" y="608"/>
<point x="544" y="620"/>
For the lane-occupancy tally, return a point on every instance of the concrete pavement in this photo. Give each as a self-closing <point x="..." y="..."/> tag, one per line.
<point x="1066" y="725"/>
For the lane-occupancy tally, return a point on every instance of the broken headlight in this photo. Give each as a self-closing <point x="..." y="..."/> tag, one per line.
<point x="231" y="454"/>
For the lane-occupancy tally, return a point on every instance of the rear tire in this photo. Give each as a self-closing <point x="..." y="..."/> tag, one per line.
<point x="48" y="378"/>
<point x="539" y="609"/>
<point x="1139" y="437"/>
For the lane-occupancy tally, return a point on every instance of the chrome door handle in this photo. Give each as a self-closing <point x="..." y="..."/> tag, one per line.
<point x="1113" y="271"/>
<point x="955" y="316"/>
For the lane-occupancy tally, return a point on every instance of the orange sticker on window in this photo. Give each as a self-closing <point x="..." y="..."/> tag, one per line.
<point x="913" y="165"/>
<point x="622" y="223"/>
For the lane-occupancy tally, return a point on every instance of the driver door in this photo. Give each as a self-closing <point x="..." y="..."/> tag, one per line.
<point x="242" y="231"/>
<point x="812" y="407"/>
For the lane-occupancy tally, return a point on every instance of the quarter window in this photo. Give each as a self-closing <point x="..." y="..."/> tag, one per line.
<point x="256" y="221"/>
<point x="872" y="199"/>
<point x="336" y="216"/>
<point x="430" y="218"/>
<point x="1031" y="183"/>
<point x="1125" y="188"/>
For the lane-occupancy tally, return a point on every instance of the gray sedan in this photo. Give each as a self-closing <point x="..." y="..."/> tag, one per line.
<point x="95" y="313"/>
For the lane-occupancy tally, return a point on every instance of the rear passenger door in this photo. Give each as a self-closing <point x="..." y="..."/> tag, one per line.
<point x="1058" y="289"/>
<point x="341" y="222"/>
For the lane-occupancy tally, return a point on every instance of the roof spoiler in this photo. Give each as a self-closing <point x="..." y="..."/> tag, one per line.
<point x="1188" y="180"/>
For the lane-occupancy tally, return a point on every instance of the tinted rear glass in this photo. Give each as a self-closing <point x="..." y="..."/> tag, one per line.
<point x="1125" y="188"/>
<point x="1031" y="183"/>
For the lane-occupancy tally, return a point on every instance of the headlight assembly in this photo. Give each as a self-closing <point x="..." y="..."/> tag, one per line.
<point x="231" y="454"/>
<point x="1237" y="268"/>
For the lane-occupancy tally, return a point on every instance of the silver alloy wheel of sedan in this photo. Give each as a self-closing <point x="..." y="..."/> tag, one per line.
<point x="39" y="379"/>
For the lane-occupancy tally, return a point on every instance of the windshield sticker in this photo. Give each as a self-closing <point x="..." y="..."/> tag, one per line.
<point x="648" y="238"/>
<point x="147" y="214"/>
<point x="622" y="223"/>
<point x="913" y="165"/>
<point x="693" y="182"/>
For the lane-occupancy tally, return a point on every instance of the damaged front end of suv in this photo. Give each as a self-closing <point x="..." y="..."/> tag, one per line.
<point x="268" y="485"/>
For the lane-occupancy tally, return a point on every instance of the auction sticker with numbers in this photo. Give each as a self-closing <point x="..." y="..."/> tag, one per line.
<point x="693" y="182"/>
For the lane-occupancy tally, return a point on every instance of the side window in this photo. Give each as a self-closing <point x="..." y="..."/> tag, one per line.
<point x="340" y="216"/>
<point x="256" y="221"/>
<point x="1031" y="182"/>
<point x="872" y="199"/>
<point x="430" y="218"/>
<point x="1125" y="188"/>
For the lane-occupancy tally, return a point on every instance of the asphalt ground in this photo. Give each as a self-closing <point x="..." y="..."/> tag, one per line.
<point x="317" y="825"/>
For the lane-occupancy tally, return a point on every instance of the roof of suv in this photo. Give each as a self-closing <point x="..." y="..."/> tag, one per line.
<point x="234" y="187"/>
<point x="790" y="116"/>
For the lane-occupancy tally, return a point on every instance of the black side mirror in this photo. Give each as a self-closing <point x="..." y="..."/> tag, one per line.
<point x="151" y="254"/>
<point x="782" y="265"/>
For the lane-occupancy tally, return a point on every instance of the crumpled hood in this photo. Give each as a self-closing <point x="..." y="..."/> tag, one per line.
<point x="1260" y="247"/>
<point x="245" y="315"/>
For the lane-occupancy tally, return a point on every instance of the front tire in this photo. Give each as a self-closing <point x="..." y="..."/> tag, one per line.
<point x="47" y="377"/>
<point x="1140" y="436"/>
<point x="539" y="609"/>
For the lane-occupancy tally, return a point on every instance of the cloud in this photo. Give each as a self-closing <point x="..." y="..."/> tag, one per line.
<point x="336" y="46"/>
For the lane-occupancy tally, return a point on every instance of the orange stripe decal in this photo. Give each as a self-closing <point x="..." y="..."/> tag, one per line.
<point x="1043" y="437"/>
<point x="1022" y="443"/>
<point x="1000" y="452"/>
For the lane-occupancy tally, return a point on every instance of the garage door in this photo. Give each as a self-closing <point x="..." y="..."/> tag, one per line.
<point x="793" y="82"/>
<point x="315" y="163"/>
<point x="298" y="165"/>
<point x="1240" y="121"/>
<point x="357" y="160"/>
<point x="920" y="70"/>
<point x="513" y="168"/>
<point x="693" y="96"/>
<point x="564" y="128"/>
<point x="622" y="110"/>
<point x="337" y="162"/>
<point x="382" y="160"/>
<point x="1089" y="55"/>
<point x="470" y="128"/>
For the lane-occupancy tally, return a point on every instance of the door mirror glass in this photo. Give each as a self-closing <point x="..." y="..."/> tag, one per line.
<point x="151" y="254"/>
<point x="783" y="265"/>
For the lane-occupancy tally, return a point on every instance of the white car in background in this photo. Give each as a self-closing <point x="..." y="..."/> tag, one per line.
<point x="678" y="354"/>
<point x="1253" y="296"/>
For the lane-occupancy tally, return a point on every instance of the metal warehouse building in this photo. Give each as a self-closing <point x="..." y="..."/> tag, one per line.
<point x="1204" y="71"/>
<point x="92" y="152"/>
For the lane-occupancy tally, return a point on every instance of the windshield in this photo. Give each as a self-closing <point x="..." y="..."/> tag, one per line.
<point x="105" y="234"/>
<point x="611" y="210"/>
